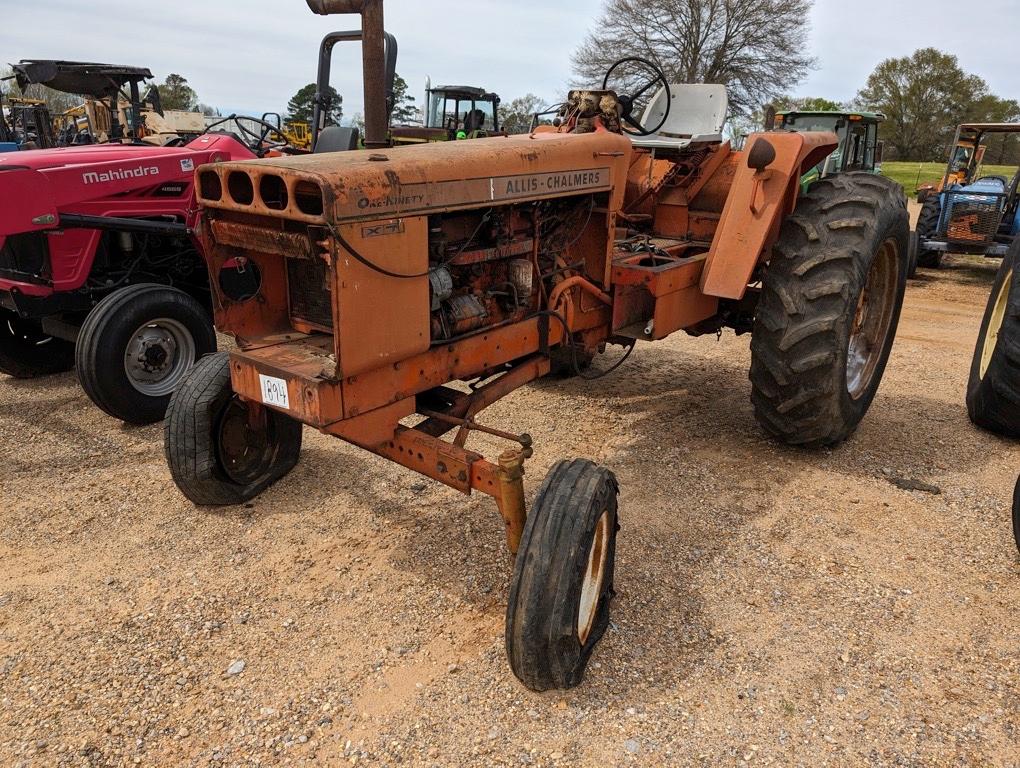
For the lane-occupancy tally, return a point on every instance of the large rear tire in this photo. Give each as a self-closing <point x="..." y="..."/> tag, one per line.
<point x="993" y="388"/>
<point x="1016" y="514"/>
<point x="558" y="607"/>
<point x="829" y="307"/>
<point x="221" y="450"/>
<point x="136" y="346"/>
<point x="26" y="351"/>
<point x="927" y="225"/>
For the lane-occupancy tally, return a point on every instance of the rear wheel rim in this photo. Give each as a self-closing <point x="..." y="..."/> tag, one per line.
<point x="24" y="332"/>
<point x="244" y="441"/>
<point x="594" y="578"/>
<point x="995" y="324"/>
<point x="158" y="355"/>
<point x="873" y="320"/>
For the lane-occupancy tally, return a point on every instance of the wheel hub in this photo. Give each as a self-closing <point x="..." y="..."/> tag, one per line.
<point x="158" y="355"/>
<point x="244" y="445"/>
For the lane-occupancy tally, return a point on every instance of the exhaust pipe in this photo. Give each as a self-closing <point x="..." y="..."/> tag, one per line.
<point x="373" y="57"/>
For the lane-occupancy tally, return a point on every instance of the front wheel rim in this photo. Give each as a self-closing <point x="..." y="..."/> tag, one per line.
<point x="594" y="578"/>
<point x="158" y="355"/>
<point x="991" y="339"/>
<point x="873" y="320"/>
<point x="244" y="441"/>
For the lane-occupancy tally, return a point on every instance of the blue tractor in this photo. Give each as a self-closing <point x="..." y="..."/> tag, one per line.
<point x="968" y="213"/>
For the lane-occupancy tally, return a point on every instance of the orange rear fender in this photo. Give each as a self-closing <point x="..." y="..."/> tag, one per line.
<point x="756" y="206"/>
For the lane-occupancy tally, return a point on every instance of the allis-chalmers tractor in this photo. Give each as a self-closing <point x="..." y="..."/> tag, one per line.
<point x="393" y="294"/>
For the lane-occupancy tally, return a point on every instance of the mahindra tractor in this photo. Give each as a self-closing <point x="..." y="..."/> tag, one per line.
<point x="100" y="266"/>
<point x="394" y="293"/>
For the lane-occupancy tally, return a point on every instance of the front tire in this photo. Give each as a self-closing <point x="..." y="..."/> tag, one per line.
<point x="829" y="307"/>
<point x="927" y="226"/>
<point x="558" y="607"/>
<point x="136" y="346"/>
<point x="993" y="388"/>
<point x="220" y="449"/>
<point x="26" y="351"/>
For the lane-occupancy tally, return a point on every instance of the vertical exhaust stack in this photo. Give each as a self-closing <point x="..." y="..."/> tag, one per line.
<point x="373" y="61"/>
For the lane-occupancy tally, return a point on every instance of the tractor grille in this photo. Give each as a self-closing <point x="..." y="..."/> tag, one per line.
<point x="972" y="218"/>
<point x="309" y="290"/>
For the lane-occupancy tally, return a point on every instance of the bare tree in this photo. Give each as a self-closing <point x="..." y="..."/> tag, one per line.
<point x="516" y="115"/>
<point x="757" y="48"/>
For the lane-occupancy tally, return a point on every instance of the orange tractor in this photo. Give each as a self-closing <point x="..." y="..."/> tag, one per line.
<point x="387" y="296"/>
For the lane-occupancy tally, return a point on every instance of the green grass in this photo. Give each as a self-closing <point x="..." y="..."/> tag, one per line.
<point x="907" y="174"/>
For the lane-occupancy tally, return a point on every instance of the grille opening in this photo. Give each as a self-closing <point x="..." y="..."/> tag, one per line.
<point x="240" y="187"/>
<point x="273" y="192"/>
<point x="310" y="292"/>
<point x="209" y="185"/>
<point x="308" y="197"/>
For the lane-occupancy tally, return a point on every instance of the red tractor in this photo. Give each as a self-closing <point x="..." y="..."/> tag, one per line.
<point x="100" y="268"/>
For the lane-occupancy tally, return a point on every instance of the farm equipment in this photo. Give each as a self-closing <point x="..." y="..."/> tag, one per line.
<point x="100" y="269"/>
<point x="105" y="83"/>
<point x="993" y="388"/>
<point x="452" y="112"/>
<point x="395" y="294"/>
<point x="297" y="132"/>
<point x="27" y="124"/>
<point x="969" y="213"/>
<point x="859" y="148"/>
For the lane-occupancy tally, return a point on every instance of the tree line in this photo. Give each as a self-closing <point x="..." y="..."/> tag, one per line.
<point x="757" y="49"/>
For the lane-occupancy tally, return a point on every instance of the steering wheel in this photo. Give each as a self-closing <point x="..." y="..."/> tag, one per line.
<point x="628" y="101"/>
<point x="260" y="141"/>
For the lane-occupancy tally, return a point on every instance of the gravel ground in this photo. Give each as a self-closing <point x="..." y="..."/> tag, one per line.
<point x="774" y="606"/>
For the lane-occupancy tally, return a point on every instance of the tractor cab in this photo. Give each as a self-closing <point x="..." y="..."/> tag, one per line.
<point x="462" y="110"/>
<point x="452" y="112"/>
<point x="104" y="84"/>
<point x="859" y="148"/>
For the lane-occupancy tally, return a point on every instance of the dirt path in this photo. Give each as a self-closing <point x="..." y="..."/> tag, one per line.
<point x="773" y="606"/>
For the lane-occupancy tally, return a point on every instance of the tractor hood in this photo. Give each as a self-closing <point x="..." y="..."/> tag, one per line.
<point x="37" y="185"/>
<point x="38" y="159"/>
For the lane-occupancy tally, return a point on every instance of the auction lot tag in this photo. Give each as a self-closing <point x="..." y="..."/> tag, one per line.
<point x="274" y="391"/>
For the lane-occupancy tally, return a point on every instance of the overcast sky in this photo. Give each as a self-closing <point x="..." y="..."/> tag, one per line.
<point x="251" y="55"/>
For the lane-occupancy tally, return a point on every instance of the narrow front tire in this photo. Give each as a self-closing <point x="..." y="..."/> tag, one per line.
<point x="558" y="607"/>
<point x="136" y="346"/>
<point x="221" y="449"/>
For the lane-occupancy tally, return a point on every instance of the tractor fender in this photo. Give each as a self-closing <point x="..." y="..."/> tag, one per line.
<point x="758" y="202"/>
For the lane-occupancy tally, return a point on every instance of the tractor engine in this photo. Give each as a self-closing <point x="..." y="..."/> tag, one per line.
<point x="378" y="257"/>
<point x="485" y="268"/>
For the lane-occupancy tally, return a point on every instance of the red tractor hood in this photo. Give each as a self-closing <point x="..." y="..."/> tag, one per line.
<point x="37" y="185"/>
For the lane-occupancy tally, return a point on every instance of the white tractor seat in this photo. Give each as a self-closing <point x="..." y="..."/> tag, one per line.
<point x="697" y="114"/>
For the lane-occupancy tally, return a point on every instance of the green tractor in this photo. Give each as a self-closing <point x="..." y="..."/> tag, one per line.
<point x="859" y="148"/>
<point x="452" y="112"/>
